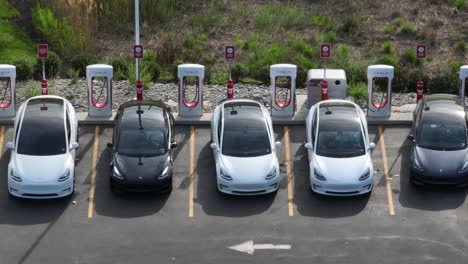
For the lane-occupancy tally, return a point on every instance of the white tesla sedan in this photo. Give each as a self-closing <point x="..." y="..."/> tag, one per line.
<point x="244" y="148"/>
<point x="338" y="149"/>
<point x="43" y="149"/>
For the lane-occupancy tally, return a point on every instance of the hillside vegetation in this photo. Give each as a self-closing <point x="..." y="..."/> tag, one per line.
<point x="264" y="32"/>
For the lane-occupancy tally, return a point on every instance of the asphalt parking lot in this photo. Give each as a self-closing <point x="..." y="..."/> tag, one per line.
<point x="396" y="223"/>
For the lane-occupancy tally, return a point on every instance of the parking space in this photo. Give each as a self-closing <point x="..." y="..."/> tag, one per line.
<point x="195" y="222"/>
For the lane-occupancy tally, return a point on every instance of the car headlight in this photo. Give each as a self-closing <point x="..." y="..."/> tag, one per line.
<point x="365" y="175"/>
<point x="417" y="163"/>
<point x="65" y="176"/>
<point x="272" y="174"/>
<point x="116" y="173"/>
<point x="165" y="172"/>
<point x="15" y="176"/>
<point x="319" y="176"/>
<point x="224" y="174"/>
<point x="464" y="168"/>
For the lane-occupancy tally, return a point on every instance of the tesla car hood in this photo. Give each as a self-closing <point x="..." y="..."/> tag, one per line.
<point x="249" y="169"/>
<point x="41" y="168"/>
<point x="436" y="162"/>
<point x="348" y="168"/>
<point x="133" y="167"/>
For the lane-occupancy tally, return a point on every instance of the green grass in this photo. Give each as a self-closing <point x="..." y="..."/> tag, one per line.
<point x="410" y="56"/>
<point x="399" y="22"/>
<point x="358" y="90"/>
<point x="265" y="17"/>
<point x="455" y="66"/>
<point x="7" y="11"/>
<point x="460" y="46"/>
<point x="323" y="22"/>
<point x="388" y="47"/>
<point x="15" y="44"/>
<point x="406" y="29"/>
<point x="388" y="29"/>
<point x="459" y="4"/>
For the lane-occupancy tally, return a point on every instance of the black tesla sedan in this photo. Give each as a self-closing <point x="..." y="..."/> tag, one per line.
<point x="439" y="135"/>
<point x="142" y="143"/>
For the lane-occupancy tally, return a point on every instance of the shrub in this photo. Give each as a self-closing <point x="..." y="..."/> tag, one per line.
<point x="301" y="78"/>
<point x="52" y="65"/>
<point x="153" y="69"/>
<point x="219" y="78"/>
<point x="356" y="71"/>
<point x="292" y="17"/>
<point x="262" y="74"/>
<point x="264" y="18"/>
<point x="410" y="57"/>
<point x="120" y="67"/>
<point x="81" y="61"/>
<point x="399" y="22"/>
<point x="24" y="70"/>
<point x="31" y="89"/>
<point x="388" y="29"/>
<point x="206" y="21"/>
<point x="239" y="71"/>
<point x="444" y="82"/>
<point x="358" y="90"/>
<point x="73" y="75"/>
<point x="58" y="32"/>
<point x="406" y="29"/>
<point x="330" y="37"/>
<point x="460" y="46"/>
<point x="149" y="55"/>
<point x="388" y="60"/>
<point x="322" y="22"/>
<point x="349" y="24"/>
<point x="388" y="48"/>
<point x="459" y="4"/>
<point x="145" y="75"/>
<point x="455" y="66"/>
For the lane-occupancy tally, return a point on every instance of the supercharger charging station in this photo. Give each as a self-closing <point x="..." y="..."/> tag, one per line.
<point x="337" y="85"/>
<point x="379" y="90"/>
<point x="464" y="80"/>
<point x="8" y="92"/>
<point x="283" y="105"/>
<point x="190" y="78"/>
<point x="99" y="79"/>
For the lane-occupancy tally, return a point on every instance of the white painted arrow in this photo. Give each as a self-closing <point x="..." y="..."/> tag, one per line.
<point x="249" y="247"/>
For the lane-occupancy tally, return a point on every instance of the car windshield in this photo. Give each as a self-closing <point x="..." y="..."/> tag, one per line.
<point x="245" y="138"/>
<point x="142" y="142"/>
<point x="444" y="133"/>
<point x="43" y="129"/>
<point x="340" y="139"/>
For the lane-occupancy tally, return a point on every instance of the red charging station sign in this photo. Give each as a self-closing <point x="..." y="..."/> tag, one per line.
<point x="138" y="51"/>
<point x="421" y="51"/>
<point x="230" y="52"/>
<point x="325" y="50"/>
<point x="42" y="51"/>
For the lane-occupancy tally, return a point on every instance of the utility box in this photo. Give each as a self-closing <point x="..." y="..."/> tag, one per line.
<point x="337" y="85"/>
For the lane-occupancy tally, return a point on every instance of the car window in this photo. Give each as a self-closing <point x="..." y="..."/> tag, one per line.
<point x="42" y="131"/>
<point x="219" y="128"/>
<point x="142" y="142"/>
<point x="245" y="138"/>
<point x="67" y="122"/>
<point x="340" y="139"/>
<point x="442" y="133"/>
<point x="314" y="126"/>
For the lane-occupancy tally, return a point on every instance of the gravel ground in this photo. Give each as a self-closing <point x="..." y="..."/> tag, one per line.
<point x="168" y="92"/>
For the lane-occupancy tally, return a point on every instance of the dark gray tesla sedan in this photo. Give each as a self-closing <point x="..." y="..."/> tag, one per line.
<point x="439" y="152"/>
<point x="142" y="146"/>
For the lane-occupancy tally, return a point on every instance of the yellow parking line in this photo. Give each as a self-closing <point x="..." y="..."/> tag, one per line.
<point x="93" y="173"/>
<point x="2" y="134"/>
<point x="288" y="171"/>
<point x="192" y="169"/>
<point x="387" y="179"/>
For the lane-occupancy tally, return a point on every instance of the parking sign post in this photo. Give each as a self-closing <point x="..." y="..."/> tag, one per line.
<point x="325" y="54"/>
<point x="43" y="53"/>
<point x="230" y="54"/>
<point x="421" y="53"/>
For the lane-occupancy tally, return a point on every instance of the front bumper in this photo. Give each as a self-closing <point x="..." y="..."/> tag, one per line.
<point x="163" y="185"/>
<point x="251" y="188"/>
<point x="338" y="188"/>
<point x="420" y="178"/>
<point x="45" y="190"/>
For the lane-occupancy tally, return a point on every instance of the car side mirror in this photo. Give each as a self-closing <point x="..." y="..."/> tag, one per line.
<point x="277" y="145"/>
<point x="411" y="137"/>
<point x="110" y="145"/>
<point x="371" y="146"/>
<point x="214" y="146"/>
<point x="308" y="146"/>
<point x="10" y="145"/>
<point x="173" y="145"/>
<point x="74" y="145"/>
